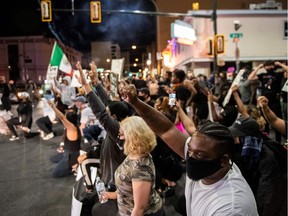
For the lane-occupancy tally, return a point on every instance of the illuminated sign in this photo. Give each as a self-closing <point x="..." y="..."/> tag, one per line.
<point x="183" y="30"/>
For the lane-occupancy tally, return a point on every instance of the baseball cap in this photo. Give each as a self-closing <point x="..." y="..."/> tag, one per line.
<point x="145" y="90"/>
<point x="245" y="126"/>
<point x="81" y="99"/>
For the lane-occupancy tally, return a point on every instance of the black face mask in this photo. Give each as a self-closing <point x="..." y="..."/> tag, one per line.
<point x="120" y="143"/>
<point x="199" y="169"/>
<point x="142" y="98"/>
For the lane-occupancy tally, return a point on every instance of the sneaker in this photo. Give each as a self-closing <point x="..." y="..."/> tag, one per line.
<point x="13" y="138"/>
<point x="48" y="136"/>
<point x="42" y="134"/>
<point x="60" y="150"/>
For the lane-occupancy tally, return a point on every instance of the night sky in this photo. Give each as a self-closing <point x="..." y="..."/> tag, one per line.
<point x="22" y="17"/>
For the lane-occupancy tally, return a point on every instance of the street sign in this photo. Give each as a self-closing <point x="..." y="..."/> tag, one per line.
<point x="236" y="35"/>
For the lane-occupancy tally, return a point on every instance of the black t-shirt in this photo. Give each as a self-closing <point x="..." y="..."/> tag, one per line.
<point x="229" y="115"/>
<point x="270" y="85"/>
<point x="201" y="104"/>
<point x="182" y="94"/>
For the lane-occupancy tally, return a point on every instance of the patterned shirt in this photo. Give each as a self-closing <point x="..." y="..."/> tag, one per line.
<point x="141" y="169"/>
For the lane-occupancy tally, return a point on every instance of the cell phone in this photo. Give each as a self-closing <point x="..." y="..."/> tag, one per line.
<point x="172" y="99"/>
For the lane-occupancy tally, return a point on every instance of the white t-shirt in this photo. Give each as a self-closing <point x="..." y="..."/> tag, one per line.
<point x="48" y="111"/>
<point x="229" y="196"/>
<point x="88" y="117"/>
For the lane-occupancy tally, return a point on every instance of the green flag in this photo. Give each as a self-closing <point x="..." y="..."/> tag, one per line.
<point x="59" y="59"/>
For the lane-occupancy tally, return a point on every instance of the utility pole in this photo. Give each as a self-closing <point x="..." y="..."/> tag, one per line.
<point x="237" y="26"/>
<point x="214" y="18"/>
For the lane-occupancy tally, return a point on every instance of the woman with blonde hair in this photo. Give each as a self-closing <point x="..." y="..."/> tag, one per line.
<point x="255" y="113"/>
<point x="135" y="177"/>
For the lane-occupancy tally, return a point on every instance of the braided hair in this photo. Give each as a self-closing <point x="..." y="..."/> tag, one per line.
<point x="219" y="133"/>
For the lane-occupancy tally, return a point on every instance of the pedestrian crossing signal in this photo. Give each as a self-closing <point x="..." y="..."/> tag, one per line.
<point x="46" y="11"/>
<point x="95" y="11"/>
<point x="219" y="41"/>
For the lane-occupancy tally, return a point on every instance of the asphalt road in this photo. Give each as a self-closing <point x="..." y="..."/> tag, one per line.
<point x="26" y="185"/>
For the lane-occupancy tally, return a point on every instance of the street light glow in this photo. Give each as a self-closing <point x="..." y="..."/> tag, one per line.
<point x="134" y="47"/>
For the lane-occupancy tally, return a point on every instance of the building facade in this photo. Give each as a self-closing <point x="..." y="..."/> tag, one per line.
<point x="27" y="57"/>
<point x="103" y="52"/>
<point x="261" y="36"/>
<point x="182" y="6"/>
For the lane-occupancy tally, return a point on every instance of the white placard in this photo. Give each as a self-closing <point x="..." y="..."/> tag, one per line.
<point x="114" y="78"/>
<point x="51" y="73"/>
<point x="117" y="66"/>
<point x="210" y="116"/>
<point x="74" y="81"/>
<point x="235" y="81"/>
<point x="285" y="86"/>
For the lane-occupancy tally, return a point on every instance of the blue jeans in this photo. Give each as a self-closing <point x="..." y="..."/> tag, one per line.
<point x="92" y="132"/>
<point x="63" y="160"/>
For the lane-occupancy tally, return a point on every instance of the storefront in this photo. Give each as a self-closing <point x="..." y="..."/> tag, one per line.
<point x="249" y="37"/>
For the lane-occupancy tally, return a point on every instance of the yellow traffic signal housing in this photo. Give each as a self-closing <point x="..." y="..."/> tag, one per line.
<point x="195" y="6"/>
<point x="46" y="10"/>
<point x="95" y="12"/>
<point x="219" y="41"/>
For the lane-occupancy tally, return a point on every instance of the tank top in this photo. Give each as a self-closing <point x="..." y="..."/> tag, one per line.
<point x="72" y="146"/>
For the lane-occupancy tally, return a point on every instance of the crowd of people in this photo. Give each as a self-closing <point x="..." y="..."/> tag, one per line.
<point x="228" y="138"/>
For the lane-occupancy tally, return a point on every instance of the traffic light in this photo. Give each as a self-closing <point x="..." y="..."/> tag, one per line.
<point x="95" y="11"/>
<point x="219" y="41"/>
<point x="46" y="10"/>
<point x="195" y="6"/>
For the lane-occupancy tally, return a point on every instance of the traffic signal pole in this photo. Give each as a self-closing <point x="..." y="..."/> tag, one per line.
<point x="214" y="18"/>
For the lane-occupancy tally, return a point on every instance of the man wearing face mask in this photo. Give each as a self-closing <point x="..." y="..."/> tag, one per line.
<point x="214" y="185"/>
<point x="270" y="88"/>
<point x="144" y="95"/>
